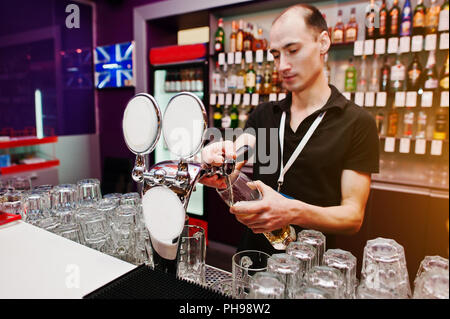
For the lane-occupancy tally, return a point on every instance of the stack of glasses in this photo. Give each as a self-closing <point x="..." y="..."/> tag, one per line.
<point x="308" y="271"/>
<point x="112" y="224"/>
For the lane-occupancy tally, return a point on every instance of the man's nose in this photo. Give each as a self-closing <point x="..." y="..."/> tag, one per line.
<point x="284" y="64"/>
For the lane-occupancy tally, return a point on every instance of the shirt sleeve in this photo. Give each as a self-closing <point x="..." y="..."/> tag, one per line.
<point x="363" y="154"/>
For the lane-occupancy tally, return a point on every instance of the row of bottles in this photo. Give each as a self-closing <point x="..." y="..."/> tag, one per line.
<point x="260" y="78"/>
<point x="417" y="124"/>
<point x="397" y="21"/>
<point x="182" y="80"/>
<point x="383" y="76"/>
<point x="244" y="36"/>
<point x="231" y="116"/>
<point x="344" y="33"/>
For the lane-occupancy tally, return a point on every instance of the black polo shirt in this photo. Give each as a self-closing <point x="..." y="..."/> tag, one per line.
<point x="347" y="138"/>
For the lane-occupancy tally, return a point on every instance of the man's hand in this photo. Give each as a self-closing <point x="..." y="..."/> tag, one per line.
<point x="265" y="215"/>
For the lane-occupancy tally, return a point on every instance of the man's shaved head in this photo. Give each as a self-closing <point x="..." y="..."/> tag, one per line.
<point x="312" y="17"/>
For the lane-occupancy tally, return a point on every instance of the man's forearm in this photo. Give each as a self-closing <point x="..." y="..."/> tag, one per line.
<point x="343" y="219"/>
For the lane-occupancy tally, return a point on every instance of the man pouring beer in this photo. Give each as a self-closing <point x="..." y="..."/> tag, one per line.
<point x="327" y="145"/>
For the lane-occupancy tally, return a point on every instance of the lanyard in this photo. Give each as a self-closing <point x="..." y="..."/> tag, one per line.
<point x="299" y="148"/>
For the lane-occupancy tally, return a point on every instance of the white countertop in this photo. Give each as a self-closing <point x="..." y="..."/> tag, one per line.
<point x="35" y="263"/>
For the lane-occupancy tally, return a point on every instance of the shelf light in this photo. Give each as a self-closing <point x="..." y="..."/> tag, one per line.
<point x="38" y="112"/>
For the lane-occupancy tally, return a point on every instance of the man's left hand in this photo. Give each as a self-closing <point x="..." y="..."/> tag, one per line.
<point x="270" y="213"/>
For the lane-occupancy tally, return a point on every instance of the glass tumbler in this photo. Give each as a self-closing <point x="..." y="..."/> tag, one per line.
<point x="315" y="239"/>
<point x="64" y="195"/>
<point x="123" y="232"/>
<point x="327" y="278"/>
<point x="305" y="253"/>
<point x="21" y="183"/>
<point x="345" y="262"/>
<point x="94" y="228"/>
<point x="266" y="285"/>
<point x="88" y="192"/>
<point x="236" y="289"/>
<point x="430" y="263"/>
<point x="11" y="203"/>
<point x="287" y="267"/>
<point x="384" y="267"/>
<point x="433" y="284"/>
<point x="192" y="254"/>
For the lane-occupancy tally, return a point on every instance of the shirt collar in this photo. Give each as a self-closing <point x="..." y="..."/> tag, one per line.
<point x="336" y="100"/>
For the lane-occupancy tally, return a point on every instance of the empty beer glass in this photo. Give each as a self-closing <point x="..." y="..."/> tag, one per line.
<point x="246" y="263"/>
<point x="430" y="263"/>
<point x="94" y="228"/>
<point x="432" y="284"/>
<point x="266" y="285"/>
<point x="384" y="267"/>
<point x="305" y="253"/>
<point x="287" y="267"/>
<point x="236" y="289"/>
<point x="123" y="232"/>
<point x="11" y="203"/>
<point x="133" y="199"/>
<point x="315" y="239"/>
<point x="34" y="207"/>
<point x="115" y="197"/>
<point x="21" y="183"/>
<point x="64" y="196"/>
<point x="192" y="254"/>
<point x="364" y="292"/>
<point x="239" y="190"/>
<point x="327" y="278"/>
<point x="345" y="262"/>
<point x="88" y="192"/>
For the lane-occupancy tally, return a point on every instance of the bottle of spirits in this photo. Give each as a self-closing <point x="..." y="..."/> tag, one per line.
<point x="443" y="17"/>
<point x="259" y="42"/>
<point x="178" y="81"/>
<point x="393" y="122"/>
<point x="240" y="80"/>
<point x="234" y="116"/>
<point x="167" y="81"/>
<point x="326" y="68"/>
<point x="172" y="82"/>
<point x="338" y="31"/>
<point x="406" y="23"/>
<point x="398" y="74"/>
<point x="199" y="80"/>
<point x="432" y="18"/>
<point x="379" y="120"/>
<point x="275" y="81"/>
<point x="374" y="84"/>
<point x="250" y="79"/>
<point x="421" y="129"/>
<point x="233" y="36"/>
<point x="370" y="21"/>
<point x="362" y="78"/>
<point x="382" y="31"/>
<point x="259" y="79"/>
<point x="440" y="124"/>
<point x="351" y="30"/>
<point x="240" y="36"/>
<point x="267" y="84"/>
<point x="248" y="37"/>
<point x="226" y="118"/>
<point x="217" y="116"/>
<point x="219" y="45"/>
<point x="232" y="79"/>
<point x="385" y="75"/>
<point x="443" y="79"/>
<point x="419" y="18"/>
<point x="350" y="77"/>
<point x="408" y="123"/>
<point x="243" y="116"/>
<point x="394" y="20"/>
<point x="215" y="79"/>
<point x="224" y="79"/>
<point x="414" y="75"/>
<point x="431" y="81"/>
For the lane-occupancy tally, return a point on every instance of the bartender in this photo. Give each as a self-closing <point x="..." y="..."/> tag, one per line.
<point x="329" y="145"/>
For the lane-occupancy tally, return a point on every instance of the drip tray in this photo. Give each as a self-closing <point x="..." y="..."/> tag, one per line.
<point x="145" y="283"/>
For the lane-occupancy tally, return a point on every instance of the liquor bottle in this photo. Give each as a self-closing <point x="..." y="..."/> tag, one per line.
<point x="248" y="38"/>
<point x="275" y="83"/>
<point x="240" y="36"/>
<point x="374" y="84"/>
<point x="167" y="82"/>
<point x="231" y="79"/>
<point x="215" y="79"/>
<point x="443" y="17"/>
<point x="398" y="74"/>
<point x="226" y="118"/>
<point x="440" y="124"/>
<point x="172" y="81"/>
<point x="177" y="81"/>
<point x="379" y="120"/>
<point x="385" y="75"/>
<point x="421" y="129"/>
<point x="432" y="18"/>
<point x="362" y="78"/>
<point x="351" y="30"/>
<point x="443" y="79"/>
<point x="414" y="75"/>
<point x="234" y="116"/>
<point x="382" y="31"/>
<point x="406" y="22"/>
<point x="259" y="79"/>
<point x="419" y="18"/>
<point x="408" y="123"/>
<point x="267" y="84"/>
<point x="219" y="45"/>
<point x="394" y="20"/>
<point x="326" y="68"/>
<point x="240" y="80"/>
<point x="242" y="116"/>
<point x="431" y="81"/>
<point x="350" y="77"/>
<point x="250" y="79"/>
<point x="233" y="36"/>
<point x="199" y="80"/>
<point x="224" y="79"/>
<point x="338" y="31"/>
<point x="393" y="122"/>
<point x="259" y="43"/>
<point x="217" y="116"/>
<point x="370" y="21"/>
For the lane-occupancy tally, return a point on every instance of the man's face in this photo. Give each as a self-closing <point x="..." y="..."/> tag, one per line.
<point x="296" y="52"/>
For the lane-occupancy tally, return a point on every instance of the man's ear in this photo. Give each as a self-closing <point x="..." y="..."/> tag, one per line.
<point x="325" y="42"/>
